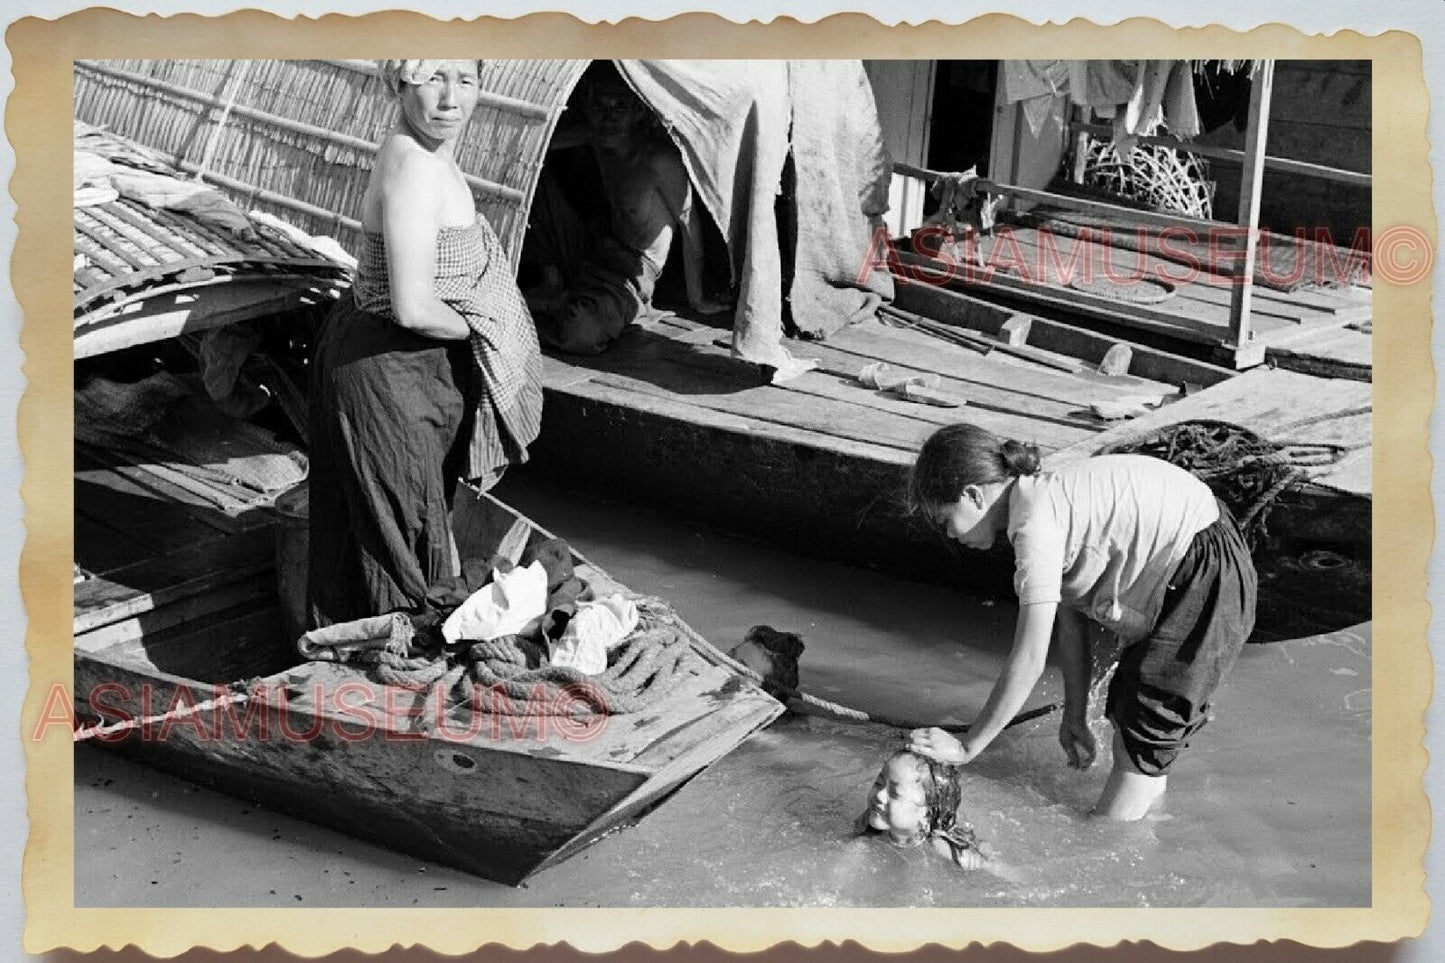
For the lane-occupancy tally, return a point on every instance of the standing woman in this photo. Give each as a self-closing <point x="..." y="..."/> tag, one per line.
<point x="427" y="371"/>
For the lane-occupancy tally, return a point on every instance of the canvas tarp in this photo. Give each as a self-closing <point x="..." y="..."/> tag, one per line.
<point x="736" y="123"/>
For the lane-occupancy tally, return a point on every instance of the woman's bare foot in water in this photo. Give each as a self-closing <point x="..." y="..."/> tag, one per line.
<point x="1129" y="794"/>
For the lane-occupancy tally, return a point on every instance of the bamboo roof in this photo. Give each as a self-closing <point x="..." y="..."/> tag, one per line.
<point x="146" y="269"/>
<point x="297" y="138"/>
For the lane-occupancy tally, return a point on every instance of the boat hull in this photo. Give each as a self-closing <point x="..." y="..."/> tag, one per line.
<point x="498" y="795"/>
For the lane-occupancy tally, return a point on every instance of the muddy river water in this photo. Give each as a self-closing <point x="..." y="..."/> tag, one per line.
<point x="1270" y="806"/>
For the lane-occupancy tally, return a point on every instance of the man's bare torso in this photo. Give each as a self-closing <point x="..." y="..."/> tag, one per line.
<point x="646" y="192"/>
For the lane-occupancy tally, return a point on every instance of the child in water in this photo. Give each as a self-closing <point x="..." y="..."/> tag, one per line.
<point x="915" y="800"/>
<point x="1134" y="543"/>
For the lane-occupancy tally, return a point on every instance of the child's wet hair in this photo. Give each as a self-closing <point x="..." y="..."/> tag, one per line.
<point x="956" y="456"/>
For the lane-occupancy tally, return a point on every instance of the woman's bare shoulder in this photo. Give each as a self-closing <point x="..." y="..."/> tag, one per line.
<point x="401" y="156"/>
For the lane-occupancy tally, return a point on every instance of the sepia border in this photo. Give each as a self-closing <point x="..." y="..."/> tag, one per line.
<point x="38" y="124"/>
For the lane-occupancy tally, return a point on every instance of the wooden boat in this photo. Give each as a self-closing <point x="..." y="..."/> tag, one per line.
<point x="185" y="556"/>
<point x="191" y="640"/>
<point x="820" y="462"/>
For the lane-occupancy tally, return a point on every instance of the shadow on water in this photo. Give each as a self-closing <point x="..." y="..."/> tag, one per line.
<point x="887" y="631"/>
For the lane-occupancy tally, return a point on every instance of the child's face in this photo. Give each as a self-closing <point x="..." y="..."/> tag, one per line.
<point x="972" y="520"/>
<point x="897" y="804"/>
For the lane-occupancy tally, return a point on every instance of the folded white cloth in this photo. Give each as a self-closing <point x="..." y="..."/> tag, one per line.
<point x="512" y="603"/>
<point x="594" y="630"/>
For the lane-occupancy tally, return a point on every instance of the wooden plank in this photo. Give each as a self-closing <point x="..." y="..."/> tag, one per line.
<point x="837" y="386"/>
<point x="200" y="509"/>
<point x="561" y="372"/>
<point x="1341" y="353"/>
<point x="99" y="547"/>
<point x="1203" y="285"/>
<point x="1204" y="297"/>
<point x="101" y="602"/>
<point x="992" y="383"/>
<point x="778" y="407"/>
<point x="667" y="406"/>
<point x="954" y="307"/>
<point x="1016" y="413"/>
<point x="131" y="510"/>
<point x="1018" y="385"/>
<point x="1306" y="332"/>
<point x="250" y="592"/>
<point x="152" y="582"/>
<point x="237" y="641"/>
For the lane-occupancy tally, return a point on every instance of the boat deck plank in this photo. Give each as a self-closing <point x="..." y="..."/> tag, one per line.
<point x="113" y="500"/>
<point x="1280" y="405"/>
<point x="1022" y="264"/>
<point x="145" y="582"/>
<point x="683" y="365"/>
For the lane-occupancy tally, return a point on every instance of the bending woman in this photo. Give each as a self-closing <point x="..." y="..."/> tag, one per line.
<point x="428" y="370"/>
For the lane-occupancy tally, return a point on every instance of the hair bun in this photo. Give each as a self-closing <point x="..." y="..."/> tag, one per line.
<point x="1019" y="458"/>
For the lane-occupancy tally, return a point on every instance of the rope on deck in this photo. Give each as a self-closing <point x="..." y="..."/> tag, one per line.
<point x="511" y="675"/>
<point x="1245" y="470"/>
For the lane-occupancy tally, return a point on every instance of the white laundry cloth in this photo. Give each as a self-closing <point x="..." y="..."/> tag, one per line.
<point x="322" y="244"/>
<point x="511" y="604"/>
<point x="597" y="626"/>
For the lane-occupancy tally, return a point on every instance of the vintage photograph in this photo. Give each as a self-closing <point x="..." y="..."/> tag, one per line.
<point x="723" y="483"/>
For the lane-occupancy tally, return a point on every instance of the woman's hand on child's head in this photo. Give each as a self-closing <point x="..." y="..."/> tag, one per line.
<point x="937" y="744"/>
<point x="1078" y="742"/>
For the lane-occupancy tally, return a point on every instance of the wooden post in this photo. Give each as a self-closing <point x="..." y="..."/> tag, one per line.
<point x="1080" y="160"/>
<point x="1255" y="135"/>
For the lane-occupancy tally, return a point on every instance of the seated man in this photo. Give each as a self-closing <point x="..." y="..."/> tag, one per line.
<point x="598" y="278"/>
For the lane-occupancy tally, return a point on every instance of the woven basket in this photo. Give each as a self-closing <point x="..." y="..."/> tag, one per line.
<point x="1160" y="177"/>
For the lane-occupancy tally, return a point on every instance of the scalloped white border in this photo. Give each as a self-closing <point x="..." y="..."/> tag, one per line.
<point x="1424" y="18"/>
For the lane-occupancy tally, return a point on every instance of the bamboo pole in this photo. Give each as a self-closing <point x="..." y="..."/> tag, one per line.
<point x="1255" y="136"/>
<point x="293" y="126"/>
<point x="486" y="98"/>
<point x="1283" y="165"/>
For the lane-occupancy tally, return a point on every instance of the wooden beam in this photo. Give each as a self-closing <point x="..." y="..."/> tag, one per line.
<point x="954" y="307"/>
<point x="212" y="305"/>
<point x="1192" y="224"/>
<point x="1255" y="136"/>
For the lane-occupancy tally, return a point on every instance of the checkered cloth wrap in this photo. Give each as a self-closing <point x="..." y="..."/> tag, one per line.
<point x="472" y="278"/>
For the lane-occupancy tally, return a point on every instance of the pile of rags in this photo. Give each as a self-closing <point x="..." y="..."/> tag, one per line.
<point x="520" y="639"/>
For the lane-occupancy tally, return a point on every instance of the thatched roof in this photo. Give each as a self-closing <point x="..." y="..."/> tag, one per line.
<point x="297" y="137"/>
